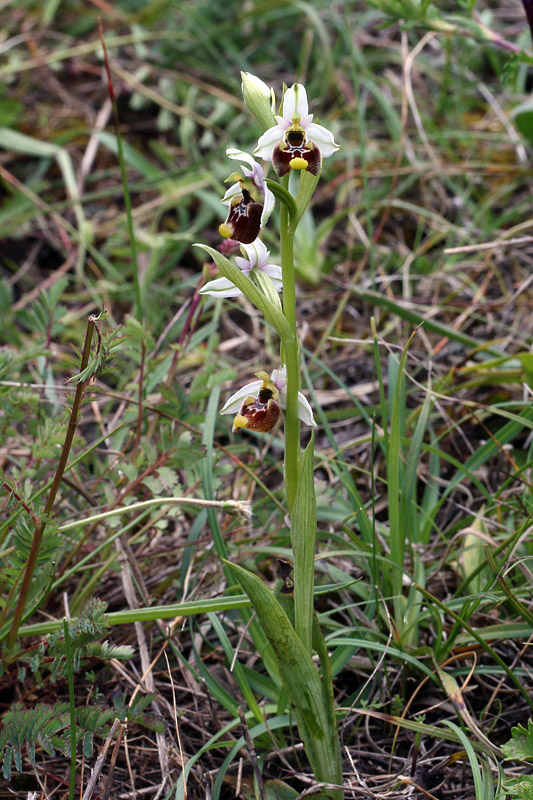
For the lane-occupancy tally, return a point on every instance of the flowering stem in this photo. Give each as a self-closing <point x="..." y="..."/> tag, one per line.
<point x="291" y="355"/>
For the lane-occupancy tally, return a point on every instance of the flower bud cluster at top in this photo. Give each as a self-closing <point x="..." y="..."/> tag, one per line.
<point x="291" y="141"/>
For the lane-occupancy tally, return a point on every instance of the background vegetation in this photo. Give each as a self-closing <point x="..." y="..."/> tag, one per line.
<point x="415" y="301"/>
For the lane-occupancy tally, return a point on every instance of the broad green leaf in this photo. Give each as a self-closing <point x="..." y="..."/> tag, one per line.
<point x="300" y="679"/>
<point x="520" y="747"/>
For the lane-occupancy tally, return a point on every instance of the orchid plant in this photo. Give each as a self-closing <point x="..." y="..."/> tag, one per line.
<point x="294" y="144"/>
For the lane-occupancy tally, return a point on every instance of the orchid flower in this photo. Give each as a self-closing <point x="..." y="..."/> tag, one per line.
<point x="258" y="403"/>
<point x="249" y="200"/>
<point x="256" y="259"/>
<point x="296" y="142"/>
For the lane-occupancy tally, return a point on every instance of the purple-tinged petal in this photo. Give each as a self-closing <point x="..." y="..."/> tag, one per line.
<point x="243" y="264"/>
<point x="283" y="123"/>
<point x="279" y="378"/>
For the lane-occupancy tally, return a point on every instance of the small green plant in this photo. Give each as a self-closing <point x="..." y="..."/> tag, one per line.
<point x="50" y="726"/>
<point x="296" y="146"/>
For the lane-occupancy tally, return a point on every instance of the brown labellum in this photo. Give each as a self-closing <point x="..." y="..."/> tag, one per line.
<point x="258" y="413"/>
<point x="243" y="222"/>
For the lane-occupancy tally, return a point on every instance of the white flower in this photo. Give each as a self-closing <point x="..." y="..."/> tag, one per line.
<point x="256" y="259"/>
<point x="277" y="384"/>
<point x="296" y="142"/>
<point x="249" y="200"/>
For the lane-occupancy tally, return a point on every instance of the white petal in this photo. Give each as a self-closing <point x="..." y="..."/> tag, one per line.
<point x="256" y="252"/>
<point x="323" y="138"/>
<point x="234" y="403"/>
<point x="295" y="102"/>
<point x="234" y="189"/>
<point x="305" y="412"/>
<point x="267" y="141"/>
<point x="240" y="155"/>
<point x="273" y="272"/>
<point x="268" y="206"/>
<point x="221" y="287"/>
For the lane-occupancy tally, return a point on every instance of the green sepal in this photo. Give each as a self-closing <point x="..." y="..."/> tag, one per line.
<point x="283" y="196"/>
<point x="300" y="680"/>
<point x="307" y="186"/>
<point x="259" y="98"/>
<point x="270" y="311"/>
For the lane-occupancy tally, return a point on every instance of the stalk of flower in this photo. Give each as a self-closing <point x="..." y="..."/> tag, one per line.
<point x="250" y="202"/>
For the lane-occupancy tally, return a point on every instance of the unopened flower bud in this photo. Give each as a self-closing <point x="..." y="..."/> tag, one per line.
<point x="259" y="98"/>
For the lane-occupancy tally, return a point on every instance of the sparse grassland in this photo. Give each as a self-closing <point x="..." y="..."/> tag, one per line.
<point x="415" y="307"/>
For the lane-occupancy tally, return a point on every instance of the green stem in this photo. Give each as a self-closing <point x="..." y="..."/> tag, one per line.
<point x="291" y="354"/>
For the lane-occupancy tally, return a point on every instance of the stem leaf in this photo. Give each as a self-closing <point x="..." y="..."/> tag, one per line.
<point x="254" y="295"/>
<point x="284" y="196"/>
<point x="300" y="680"/>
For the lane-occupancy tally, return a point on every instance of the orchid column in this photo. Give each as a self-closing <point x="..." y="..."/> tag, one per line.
<point x="293" y="143"/>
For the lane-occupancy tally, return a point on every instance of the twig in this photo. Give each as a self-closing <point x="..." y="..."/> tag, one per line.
<point x="98" y="767"/>
<point x="475" y="248"/>
<point x="47" y="511"/>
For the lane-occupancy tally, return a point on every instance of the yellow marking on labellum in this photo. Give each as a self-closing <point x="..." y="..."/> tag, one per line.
<point x="240" y="421"/>
<point x="225" y="230"/>
<point x="298" y="163"/>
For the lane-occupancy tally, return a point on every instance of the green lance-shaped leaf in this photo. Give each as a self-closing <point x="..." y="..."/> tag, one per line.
<point x="285" y="197"/>
<point x="285" y="596"/>
<point x="300" y="680"/>
<point x="303" y="536"/>
<point x="270" y="311"/>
